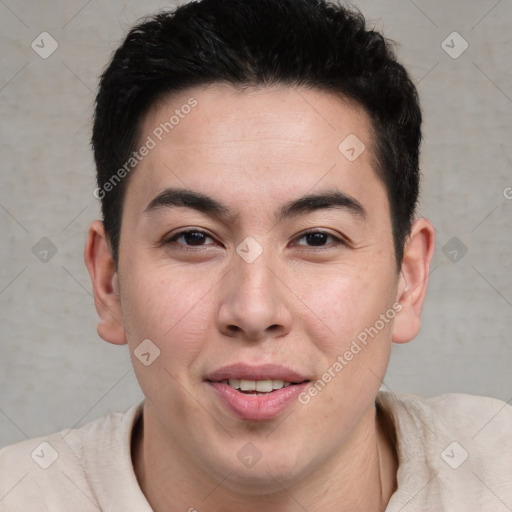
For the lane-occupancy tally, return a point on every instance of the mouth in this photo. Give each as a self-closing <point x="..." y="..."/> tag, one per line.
<point x="258" y="387"/>
<point x="256" y="393"/>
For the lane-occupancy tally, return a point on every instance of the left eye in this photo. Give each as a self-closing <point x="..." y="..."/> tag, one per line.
<point x="318" y="239"/>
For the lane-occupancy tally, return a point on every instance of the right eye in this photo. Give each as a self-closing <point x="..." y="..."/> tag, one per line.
<point x="189" y="238"/>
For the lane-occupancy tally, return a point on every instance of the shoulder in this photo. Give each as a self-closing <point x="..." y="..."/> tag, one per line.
<point x="44" y="470"/>
<point x="464" y="410"/>
<point x="480" y="428"/>
<point x="54" y="472"/>
<point x="483" y="424"/>
<point x="456" y="447"/>
<point x="468" y="416"/>
<point x="456" y="411"/>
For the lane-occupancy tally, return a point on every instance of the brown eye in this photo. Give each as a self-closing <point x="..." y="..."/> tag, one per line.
<point x="190" y="238"/>
<point x="316" y="238"/>
<point x="319" y="239"/>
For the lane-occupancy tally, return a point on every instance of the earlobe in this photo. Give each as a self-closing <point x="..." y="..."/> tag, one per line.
<point x="412" y="286"/>
<point x="105" y="284"/>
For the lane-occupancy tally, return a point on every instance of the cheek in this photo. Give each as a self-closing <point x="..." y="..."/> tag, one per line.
<point x="356" y="351"/>
<point x="174" y="317"/>
<point x="170" y="309"/>
<point x="361" y="315"/>
<point x="348" y="302"/>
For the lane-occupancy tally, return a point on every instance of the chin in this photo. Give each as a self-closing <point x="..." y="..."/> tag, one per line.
<point x="266" y="473"/>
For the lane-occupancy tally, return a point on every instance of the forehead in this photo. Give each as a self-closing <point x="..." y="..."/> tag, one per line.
<point x="224" y="115"/>
<point x="256" y="145"/>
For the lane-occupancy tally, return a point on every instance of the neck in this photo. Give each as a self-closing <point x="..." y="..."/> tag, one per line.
<point x="360" y="477"/>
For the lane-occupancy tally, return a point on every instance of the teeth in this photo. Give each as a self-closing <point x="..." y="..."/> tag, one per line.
<point x="247" y="385"/>
<point x="263" y="386"/>
<point x="278" y="384"/>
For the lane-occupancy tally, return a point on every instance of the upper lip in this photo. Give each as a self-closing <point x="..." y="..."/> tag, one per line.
<point x="253" y="372"/>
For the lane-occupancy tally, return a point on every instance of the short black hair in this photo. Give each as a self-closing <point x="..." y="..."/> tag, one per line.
<point x="316" y="44"/>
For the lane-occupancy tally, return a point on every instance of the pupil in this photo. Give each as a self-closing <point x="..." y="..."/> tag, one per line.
<point x="194" y="238"/>
<point x="316" y="238"/>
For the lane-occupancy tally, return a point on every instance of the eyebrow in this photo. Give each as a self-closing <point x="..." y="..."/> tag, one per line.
<point x="179" y="197"/>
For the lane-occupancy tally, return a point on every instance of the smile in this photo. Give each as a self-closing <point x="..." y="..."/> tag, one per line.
<point x="256" y="393"/>
<point x="256" y="386"/>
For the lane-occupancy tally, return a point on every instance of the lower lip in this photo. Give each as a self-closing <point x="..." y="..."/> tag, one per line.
<point x="257" y="407"/>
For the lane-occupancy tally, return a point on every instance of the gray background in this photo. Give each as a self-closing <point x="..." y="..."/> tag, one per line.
<point x="55" y="372"/>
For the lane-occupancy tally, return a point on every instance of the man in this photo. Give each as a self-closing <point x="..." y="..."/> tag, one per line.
<point x="258" y="170"/>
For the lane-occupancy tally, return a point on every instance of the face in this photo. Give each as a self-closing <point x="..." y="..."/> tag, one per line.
<point x="245" y="279"/>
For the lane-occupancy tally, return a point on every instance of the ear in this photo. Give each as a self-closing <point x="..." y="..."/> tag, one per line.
<point x="412" y="286"/>
<point x="101" y="267"/>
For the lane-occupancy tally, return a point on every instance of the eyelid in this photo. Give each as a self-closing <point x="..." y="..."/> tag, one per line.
<point x="171" y="238"/>
<point x="338" y="239"/>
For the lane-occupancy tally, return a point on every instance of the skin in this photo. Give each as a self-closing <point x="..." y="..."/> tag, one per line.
<point x="297" y="304"/>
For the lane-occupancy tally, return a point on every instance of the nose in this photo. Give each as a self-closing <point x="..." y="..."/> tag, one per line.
<point x="254" y="303"/>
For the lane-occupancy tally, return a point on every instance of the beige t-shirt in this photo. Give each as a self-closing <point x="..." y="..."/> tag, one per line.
<point x="454" y="450"/>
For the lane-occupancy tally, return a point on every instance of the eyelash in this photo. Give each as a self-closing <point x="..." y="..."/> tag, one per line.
<point x="336" y="240"/>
